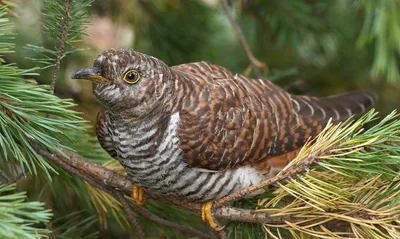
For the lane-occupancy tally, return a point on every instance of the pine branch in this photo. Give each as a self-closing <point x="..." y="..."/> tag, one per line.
<point x="61" y="47"/>
<point x="64" y="22"/>
<point x="19" y="217"/>
<point x="132" y="218"/>
<point x="23" y="106"/>
<point x="286" y="174"/>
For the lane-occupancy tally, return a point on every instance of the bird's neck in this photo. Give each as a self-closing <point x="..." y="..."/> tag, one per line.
<point x="138" y="114"/>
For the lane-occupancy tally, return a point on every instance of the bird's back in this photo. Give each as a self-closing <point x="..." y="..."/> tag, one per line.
<point x="228" y="120"/>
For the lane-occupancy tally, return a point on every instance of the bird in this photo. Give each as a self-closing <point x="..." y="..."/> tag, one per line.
<point x="198" y="132"/>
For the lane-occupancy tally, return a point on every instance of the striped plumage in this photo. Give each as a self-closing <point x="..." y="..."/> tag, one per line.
<point x="199" y="132"/>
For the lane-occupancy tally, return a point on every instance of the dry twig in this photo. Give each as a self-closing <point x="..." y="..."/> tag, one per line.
<point x="255" y="64"/>
<point x="128" y="209"/>
<point x="292" y="171"/>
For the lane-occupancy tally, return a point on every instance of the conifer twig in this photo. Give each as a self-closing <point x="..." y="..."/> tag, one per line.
<point x="61" y="47"/>
<point x="255" y="64"/>
<point x="131" y="217"/>
<point x="292" y="171"/>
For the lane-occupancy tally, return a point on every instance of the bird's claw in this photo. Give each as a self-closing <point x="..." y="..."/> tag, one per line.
<point x="138" y="194"/>
<point x="206" y="216"/>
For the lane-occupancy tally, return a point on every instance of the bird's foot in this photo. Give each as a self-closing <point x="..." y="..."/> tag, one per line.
<point x="206" y="216"/>
<point x="138" y="194"/>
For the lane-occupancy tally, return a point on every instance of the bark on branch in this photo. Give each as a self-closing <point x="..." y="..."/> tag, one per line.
<point x="111" y="183"/>
<point x="89" y="171"/>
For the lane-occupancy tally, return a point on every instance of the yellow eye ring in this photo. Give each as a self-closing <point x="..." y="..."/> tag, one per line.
<point x="131" y="77"/>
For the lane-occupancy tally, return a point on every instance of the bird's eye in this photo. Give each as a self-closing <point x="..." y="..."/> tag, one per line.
<point x="132" y="77"/>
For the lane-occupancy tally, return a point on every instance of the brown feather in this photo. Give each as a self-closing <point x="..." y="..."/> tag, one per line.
<point x="228" y="121"/>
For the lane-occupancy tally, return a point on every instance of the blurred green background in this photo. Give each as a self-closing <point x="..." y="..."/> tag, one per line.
<point x="310" y="47"/>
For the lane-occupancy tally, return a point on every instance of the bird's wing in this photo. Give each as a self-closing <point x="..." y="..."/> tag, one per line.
<point x="231" y="120"/>
<point x="228" y="120"/>
<point x="103" y="135"/>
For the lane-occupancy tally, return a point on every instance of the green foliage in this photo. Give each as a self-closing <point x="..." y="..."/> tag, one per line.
<point x="73" y="225"/>
<point x="56" y="13"/>
<point x="351" y="189"/>
<point x="64" y="22"/>
<point x="18" y="218"/>
<point x="382" y="28"/>
<point x="5" y="33"/>
<point x="24" y="107"/>
<point x="175" y="45"/>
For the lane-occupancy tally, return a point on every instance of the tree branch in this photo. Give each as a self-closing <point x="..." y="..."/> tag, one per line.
<point x="128" y="209"/>
<point x="285" y="174"/>
<point x="113" y="179"/>
<point x="61" y="47"/>
<point x="167" y="223"/>
<point x="255" y="64"/>
<point x="250" y="216"/>
<point x="112" y="183"/>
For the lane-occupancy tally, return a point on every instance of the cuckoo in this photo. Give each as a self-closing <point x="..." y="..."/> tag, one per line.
<point x="198" y="132"/>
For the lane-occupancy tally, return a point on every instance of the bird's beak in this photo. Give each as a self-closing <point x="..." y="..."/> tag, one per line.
<point x="91" y="74"/>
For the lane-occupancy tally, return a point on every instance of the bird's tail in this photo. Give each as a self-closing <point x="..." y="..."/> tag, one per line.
<point x="312" y="115"/>
<point x="338" y="107"/>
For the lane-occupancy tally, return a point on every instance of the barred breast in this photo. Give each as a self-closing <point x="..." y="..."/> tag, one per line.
<point x="158" y="165"/>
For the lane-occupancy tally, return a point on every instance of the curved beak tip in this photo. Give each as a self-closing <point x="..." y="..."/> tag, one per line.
<point x="91" y="74"/>
<point x="83" y="74"/>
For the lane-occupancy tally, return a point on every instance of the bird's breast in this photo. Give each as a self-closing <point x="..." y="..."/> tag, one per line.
<point x="159" y="166"/>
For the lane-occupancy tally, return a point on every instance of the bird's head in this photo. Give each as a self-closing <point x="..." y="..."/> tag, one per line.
<point x="126" y="79"/>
